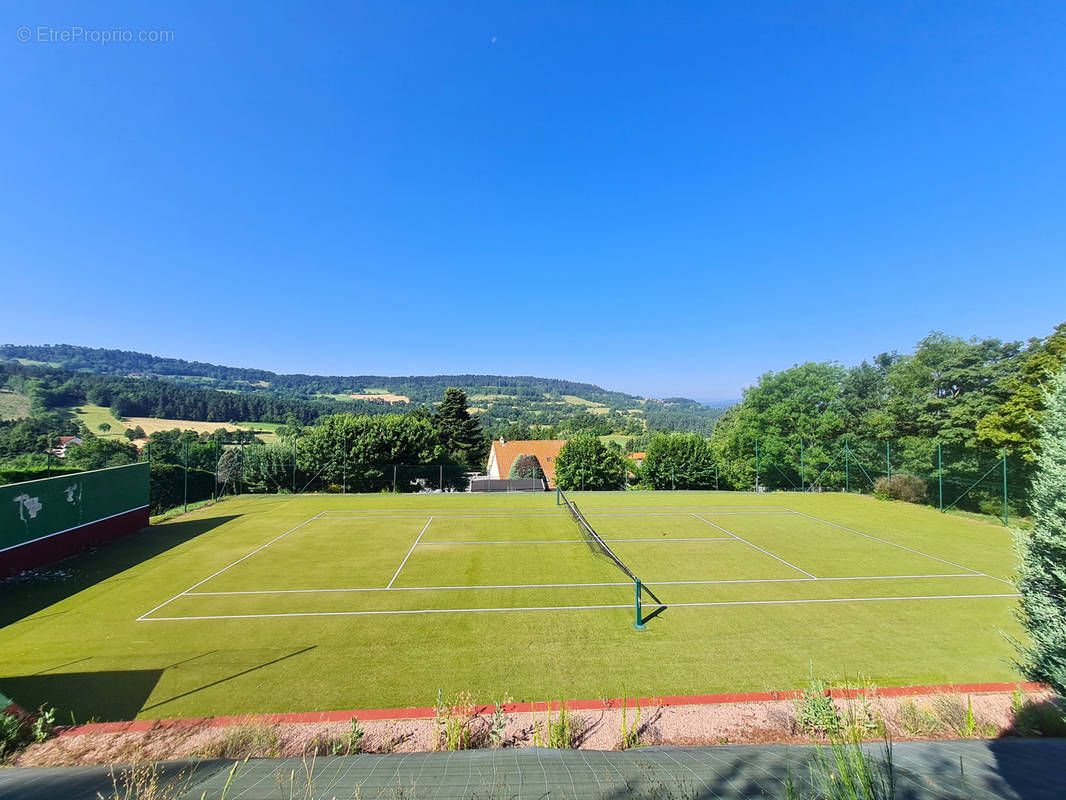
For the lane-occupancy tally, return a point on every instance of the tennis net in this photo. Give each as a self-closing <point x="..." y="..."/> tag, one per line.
<point x="593" y="539"/>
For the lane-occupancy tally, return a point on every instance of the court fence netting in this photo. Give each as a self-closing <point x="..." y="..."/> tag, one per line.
<point x="600" y="549"/>
<point x="989" y="481"/>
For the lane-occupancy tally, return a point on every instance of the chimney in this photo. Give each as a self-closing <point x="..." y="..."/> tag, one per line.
<point x="502" y="442"/>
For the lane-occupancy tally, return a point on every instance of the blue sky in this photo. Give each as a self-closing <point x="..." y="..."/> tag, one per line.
<point x="661" y="198"/>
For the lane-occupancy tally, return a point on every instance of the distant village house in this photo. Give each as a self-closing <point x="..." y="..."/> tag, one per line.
<point x="504" y="453"/>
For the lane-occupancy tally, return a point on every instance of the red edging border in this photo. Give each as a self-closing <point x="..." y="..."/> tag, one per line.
<point x="140" y="725"/>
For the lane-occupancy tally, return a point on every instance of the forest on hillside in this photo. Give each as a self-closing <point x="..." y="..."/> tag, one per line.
<point x="497" y="400"/>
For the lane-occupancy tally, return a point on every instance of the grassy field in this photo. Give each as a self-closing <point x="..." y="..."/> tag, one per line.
<point x="269" y="604"/>
<point x="93" y="416"/>
<point x="13" y="405"/>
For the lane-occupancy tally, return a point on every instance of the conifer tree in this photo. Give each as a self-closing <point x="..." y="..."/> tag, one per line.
<point x="459" y="432"/>
<point x="1042" y="574"/>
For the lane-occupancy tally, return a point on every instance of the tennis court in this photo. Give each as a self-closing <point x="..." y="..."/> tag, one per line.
<point x="536" y="559"/>
<point x="270" y="604"/>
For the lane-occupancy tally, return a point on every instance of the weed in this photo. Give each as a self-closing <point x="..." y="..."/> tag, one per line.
<point x="844" y="771"/>
<point x="249" y="740"/>
<point x="1017" y="701"/>
<point x="560" y="732"/>
<point x="1044" y="718"/>
<point x="497" y="724"/>
<point x="17" y="731"/>
<point x="147" y="782"/>
<point x="861" y="719"/>
<point x="630" y="733"/>
<point x="918" y="720"/>
<point x="10" y="733"/>
<point x="43" y="724"/>
<point x="816" y="713"/>
<point x="352" y="742"/>
<point x="453" y="717"/>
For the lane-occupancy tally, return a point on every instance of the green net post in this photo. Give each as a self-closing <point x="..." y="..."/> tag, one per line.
<point x="940" y="475"/>
<point x="186" y="476"/>
<point x="756" y="465"/>
<point x="1006" y="512"/>
<point x="639" y="623"/>
<point x="847" y="467"/>
<point x="558" y="498"/>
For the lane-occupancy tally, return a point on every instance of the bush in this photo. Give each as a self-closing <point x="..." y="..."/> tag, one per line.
<point x="908" y="488"/>
<point x="526" y="467"/>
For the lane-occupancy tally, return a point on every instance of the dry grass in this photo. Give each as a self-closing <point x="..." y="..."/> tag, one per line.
<point x="385" y="396"/>
<point x="13" y="405"/>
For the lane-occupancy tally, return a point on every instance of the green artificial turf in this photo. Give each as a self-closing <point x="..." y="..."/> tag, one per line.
<point x="110" y="634"/>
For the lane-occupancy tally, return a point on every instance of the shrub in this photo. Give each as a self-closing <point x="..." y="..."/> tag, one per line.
<point x="908" y="488"/>
<point x="526" y="467"/>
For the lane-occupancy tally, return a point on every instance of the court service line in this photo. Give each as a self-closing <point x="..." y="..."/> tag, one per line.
<point x="394" y="577"/>
<point x="900" y="546"/>
<point x="582" y="585"/>
<point x="563" y="515"/>
<point x="767" y="552"/>
<point x="506" y="512"/>
<point x="574" y="608"/>
<point x="583" y="541"/>
<point x="235" y="563"/>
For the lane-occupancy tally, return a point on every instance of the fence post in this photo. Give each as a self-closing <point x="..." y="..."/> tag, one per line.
<point x="186" y="476"/>
<point x="394" y="479"/>
<point x="847" y="467"/>
<point x="940" y="475"/>
<point x="441" y="478"/>
<point x="218" y="460"/>
<point x="1006" y="512"/>
<point x="294" y="463"/>
<point x="756" y="465"/>
<point x="802" y="489"/>
<point x="888" y="460"/>
<point x="344" y="469"/>
<point x="49" y="463"/>
<point x="240" y="475"/>
<point x="716" y="477"/>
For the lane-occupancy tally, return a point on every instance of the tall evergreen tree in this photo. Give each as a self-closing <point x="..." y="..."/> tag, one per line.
<point x="1042" y="574"/>
<point x="459" y="432"/>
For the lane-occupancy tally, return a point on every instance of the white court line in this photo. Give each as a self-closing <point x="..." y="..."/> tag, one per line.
<point x="574" y="608"/>
<point x="583" y="541"/>
<point x="506" y="512"/>
<point x="394" y="577"/>
<point x="900" y="546"/>
<point x="564" y="515"/>
<point x="235" y="563"/>
<point x="583" y="585"/>
<point x="767" y="552"/>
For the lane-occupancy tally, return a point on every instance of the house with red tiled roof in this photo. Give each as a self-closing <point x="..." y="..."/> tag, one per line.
<point x="637" y="457"/>
<point x="504" y="453"/>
